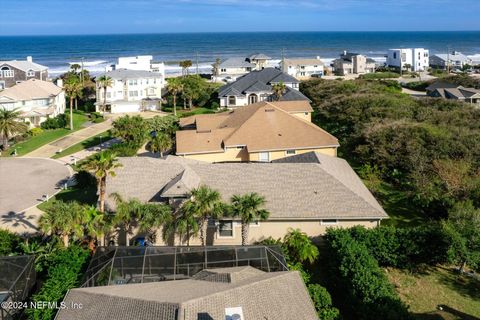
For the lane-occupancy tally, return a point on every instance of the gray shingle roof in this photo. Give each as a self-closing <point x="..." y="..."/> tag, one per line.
<point x="264" y="77"/>
<point x="321" y="190"/>
<point x="259" y="56"/>
<point x="236" y="63"/>
<point x="123" y="74"/>
<point x="261" y="295"/>
<point x="24" y="65"/>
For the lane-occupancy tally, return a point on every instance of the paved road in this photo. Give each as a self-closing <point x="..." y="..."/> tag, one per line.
<point x="82" y="154"/>
<point x="23" y="182"/>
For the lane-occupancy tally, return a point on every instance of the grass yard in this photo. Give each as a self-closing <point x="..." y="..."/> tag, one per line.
<point x="187" y="112"/>
<point x="81" y="195"/>
<point x="85" y="144"/>
<point x="458" y="295"/>
<point x="45" y="137"/>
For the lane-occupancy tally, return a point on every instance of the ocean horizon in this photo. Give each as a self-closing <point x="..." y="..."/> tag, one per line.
<point x="98" y="51"/>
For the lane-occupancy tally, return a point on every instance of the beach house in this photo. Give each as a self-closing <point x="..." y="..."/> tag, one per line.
<point x="37" y="100"/>
<point x="302" y="68"/>
<point x="446" y="90"/>
<point x="311" y="191"/>
<point x="130" y="91"/>
<point x="16" y="71"/>
<point x="143" y="63"/>
<point x="353" y="63"/>
<point x="263" y="132"/>
<point x="232" y="68"/>
<point x="256" y="86"/>
<point x="453" y="60"/>
<point x="411" y="59"/>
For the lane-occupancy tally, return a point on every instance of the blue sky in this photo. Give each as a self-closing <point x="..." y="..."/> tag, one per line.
<point x="45" y="17"/>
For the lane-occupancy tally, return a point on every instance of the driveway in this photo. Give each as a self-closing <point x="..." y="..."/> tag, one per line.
<point x="23" y="183"/>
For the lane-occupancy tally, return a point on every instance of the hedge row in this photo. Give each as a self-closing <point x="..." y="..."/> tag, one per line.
<point x="356" y="276"/>
<point x="64" y="272"/>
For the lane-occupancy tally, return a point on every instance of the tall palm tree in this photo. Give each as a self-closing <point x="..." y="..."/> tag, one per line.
<point x="96" y="225"/>
<point x="216" y="68"/>
<point x="75" y="67"/>
<point x="184" y="224"/>
<point x="204" y="204"/>
<point x="63" y="219"/>
<point x="73" y="89"/>
<point x="174" y="87"/>
<point x="160" y="143"/>
<point x="127" y="214"/>
<point x="152" y="217"/>
<point x="185" y="64"/>
<point x="279" y="90"/>
<point x="105" y="82"/>
<point x="102" y="164"/>
<point x="248" y="208"/>
<point x="10" y="125"/>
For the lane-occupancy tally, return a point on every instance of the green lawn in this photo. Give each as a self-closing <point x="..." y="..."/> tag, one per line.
<point x="45" y="137"/>
<point x="84" y="196"/>
<point x="187" y="112"/>
<point x="438" y="286"/>
<point x="87" y="143"/>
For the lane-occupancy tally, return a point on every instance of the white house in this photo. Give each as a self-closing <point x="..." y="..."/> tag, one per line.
<point x="144" y="63"/>
<point x="416" y="58"/>
<point x="302" y="68"/>
<point x="37" y="100"/>
<point x="454" y="59"/>
<point x="130" y="91"/>
<point x="232" y="68"/>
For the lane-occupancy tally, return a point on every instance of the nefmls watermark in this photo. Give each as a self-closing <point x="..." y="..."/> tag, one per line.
<point x="40" y="305"/>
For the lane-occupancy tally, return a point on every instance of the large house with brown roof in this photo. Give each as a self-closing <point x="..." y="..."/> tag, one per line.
<point x="263" y="131"/>
<point x="37" y="100"/>
<point x="309" y="191"/>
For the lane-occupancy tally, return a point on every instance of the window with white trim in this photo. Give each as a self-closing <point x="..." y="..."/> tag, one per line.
<point x="264" y="157"/>
<point x="30" y="73"/>
<point x="7" y="73"/>
<point x="329" y="222"/>
<point x="133" y="93"/>
<point x="132" y="82"/>
<point x="225" y="229"/>
<point x="290" y="152"/>
<point x="232" y="101"/>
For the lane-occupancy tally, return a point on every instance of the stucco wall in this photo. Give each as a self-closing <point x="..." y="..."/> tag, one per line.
<point x="303" y="116"/>
<point x="274" y="155"/>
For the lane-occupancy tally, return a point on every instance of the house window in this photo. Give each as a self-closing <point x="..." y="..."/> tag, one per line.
<point x="109" y="95"/>
<point x="264" y="157"/>
<point x="7" y="73"/>
<point x="302" y="73"/>
<point x="395" y="55"/>
<point x="232" y="101"/>
<point x="30" y="73"/>
<point x="151" y="91"/>
<point x="223" y="70"/>
<point x="132" y="82"/>
<point x="253" y="98"/>
<point x="2" y="85"/>
<point x="290" y="152"/>
<point x="225" y="229"/>
<point x="329" y="222"/>
<point x="133" y="93"/>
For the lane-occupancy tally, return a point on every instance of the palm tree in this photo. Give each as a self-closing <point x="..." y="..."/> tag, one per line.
<point x="248" y="208"/>
<point x="174" y="87"/>
<point x="185" y="64"/>
<point x="102" y="164"/>
<point x="205" y="203"/>
<point x="127" y="214"/>
<point x="299" y="246"/>
<point x="63" y="219"/>
<point x="75" y="67"/>
<point x="160" y="143"/>
<point x="10" y="125"/>
<point x="73" y="89"/>
<point x="216" y="68"/>
<point x="152" y="217"/>
<point x="96" y="225"/>
<point x="279" y="90"/>
<point x="184" y="223"/>
<point x="105" y="82"/>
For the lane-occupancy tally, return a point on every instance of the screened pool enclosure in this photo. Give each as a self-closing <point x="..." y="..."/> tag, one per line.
<point x="125" y="265"/>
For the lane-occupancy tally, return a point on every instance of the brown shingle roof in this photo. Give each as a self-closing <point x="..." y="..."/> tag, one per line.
<point x="261" y="295"/>
<point x="261" y="126"/>
<point x="329" y="189"/>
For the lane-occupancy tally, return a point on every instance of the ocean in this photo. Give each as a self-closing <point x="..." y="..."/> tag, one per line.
<point x="98" y="51"/>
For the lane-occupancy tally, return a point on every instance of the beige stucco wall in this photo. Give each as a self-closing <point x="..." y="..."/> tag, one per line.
<point x="275" y="155"/>
<point x="274" y="229"/>
<point x="303" y="116"/>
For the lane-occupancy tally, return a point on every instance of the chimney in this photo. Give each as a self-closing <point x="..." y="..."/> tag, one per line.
<point x="29" y="59"/>
<point x="60" y="82"/>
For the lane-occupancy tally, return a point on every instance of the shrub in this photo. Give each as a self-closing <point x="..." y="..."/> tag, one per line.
<point x="323" y="302"/>
<point x="380" y="75"/>
<point x="97" y="120"/>
<point x="35" y="131"/>
<point x="8" y="242"/>
<point x="59" y="121"/>
<point x="125" y="149"/>
<point x="65" y="271"/>
<point x="417" y="85"/>
<point x="215" y="105"/>
<point x="355" y="274"/>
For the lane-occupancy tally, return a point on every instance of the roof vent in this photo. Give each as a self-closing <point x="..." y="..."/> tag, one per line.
<point x="204" y="131"/>
<point x="269" y="110"/>
<point x="234" y="313"/>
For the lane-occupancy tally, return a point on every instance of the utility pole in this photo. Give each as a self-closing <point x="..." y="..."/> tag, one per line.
<point x="196" y="58"/>
<point x="448" y="60"/>
<point x="81" y="74"/>
<point x="283" y="59"/>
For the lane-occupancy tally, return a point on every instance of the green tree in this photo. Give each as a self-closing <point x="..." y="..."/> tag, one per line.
<point x="63" y="219"/>
<point x="174" y="87"/>
<point x="167" y="125"/>
<point x="185" y="64"/>
<point x="184" y="224"/>
<point x="193" y="86"/>
<point x="248" y="208"/>
<point x="96" y="225"/>
<point x="75" y="67"/>
<point x="161" y="142"/>
<point x="132" y="130"/>
<point x="323" y="302"/>
<point x="8" y="242"/>
<point x="299" y="246"/>
<point x="126" y="215"/>
<point x="102" y="164"/>
<point x="279" y="90"/>
<point x="216" y="68"/>
<point x="152" y="217"/>
<point x="73" y="89"/>
<point x="104" y="82"/>
<point x="463" y="229"/>
<point x="10" y="125"/>
<point x="204" y="204"/>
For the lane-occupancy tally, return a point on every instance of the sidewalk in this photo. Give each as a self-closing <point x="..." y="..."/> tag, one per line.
<point x="80" y="155"/>
<point x="51" y="148"/>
